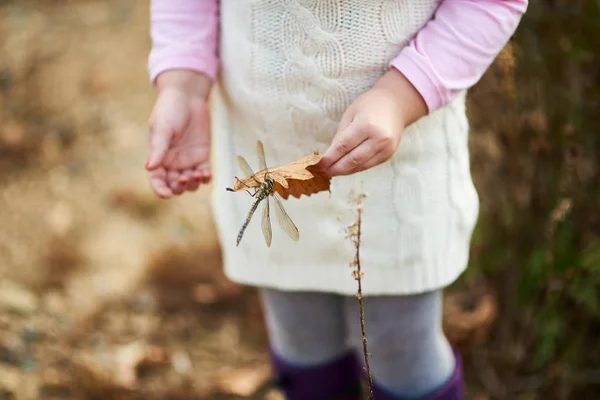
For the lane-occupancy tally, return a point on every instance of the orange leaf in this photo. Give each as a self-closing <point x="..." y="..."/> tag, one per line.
<point x="295" y="178"/>
<point x="296" y="188"/>
<point x="241" y="381"/>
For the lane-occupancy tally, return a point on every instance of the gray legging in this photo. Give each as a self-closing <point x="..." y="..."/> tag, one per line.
<point x="410" y="355"/>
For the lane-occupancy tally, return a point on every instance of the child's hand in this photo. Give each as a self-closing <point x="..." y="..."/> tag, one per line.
<point x="179" y="134"/>
<point x="370" y="129"/>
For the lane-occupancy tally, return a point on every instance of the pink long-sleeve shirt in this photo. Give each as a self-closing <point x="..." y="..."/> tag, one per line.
<point x="449" y="54"/>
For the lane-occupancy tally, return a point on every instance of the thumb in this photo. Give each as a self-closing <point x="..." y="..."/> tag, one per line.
<point x="343" y="142"/>
<point x="160" y="140"/>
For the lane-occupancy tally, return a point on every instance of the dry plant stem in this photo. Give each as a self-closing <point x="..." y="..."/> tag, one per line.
<point x="358" y="277"/>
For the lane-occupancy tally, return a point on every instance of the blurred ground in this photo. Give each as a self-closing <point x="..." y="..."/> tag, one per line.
<point x="105" y="291"/>
<point x="92" y="264"/>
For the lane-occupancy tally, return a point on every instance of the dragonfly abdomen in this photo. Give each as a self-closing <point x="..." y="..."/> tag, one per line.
<point x="261" y="194"/>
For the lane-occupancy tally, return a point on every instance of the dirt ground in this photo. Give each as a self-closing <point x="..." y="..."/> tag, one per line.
<point x="106" y="291"/>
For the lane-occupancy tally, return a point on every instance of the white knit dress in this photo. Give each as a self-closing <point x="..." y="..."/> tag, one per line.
<point x="289" y="70"/>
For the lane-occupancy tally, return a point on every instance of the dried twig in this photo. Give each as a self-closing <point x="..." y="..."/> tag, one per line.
<point x="354" y="234"/>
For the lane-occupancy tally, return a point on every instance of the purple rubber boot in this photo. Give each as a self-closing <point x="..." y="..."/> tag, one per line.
<point x="336" y="380"/>
<point x="453" y="389"/>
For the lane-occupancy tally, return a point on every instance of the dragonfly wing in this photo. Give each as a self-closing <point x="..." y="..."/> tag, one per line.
<point x="244" y="167"/>
<point x="284" y="220"/>
<point x="266" y="223"/>
<point x="260" y="152"/>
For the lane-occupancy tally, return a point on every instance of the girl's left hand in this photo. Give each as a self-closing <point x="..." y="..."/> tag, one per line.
<point x="370" y="129"/>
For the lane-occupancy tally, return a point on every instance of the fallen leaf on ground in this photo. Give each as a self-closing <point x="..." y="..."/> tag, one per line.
<point x="181" y="362"/>
<point x="93" y="377"/>
<point x="220" y="290"/>
<point x="131" y="357"/>
<point x="17" y="298"/>
<point x="110" y="372"/>
<point x="60" y="219"/>
<point x="295" y="178"/>
<point x="55" y="302"/>
<point x="10" y="380"/>
<point x="243" y="381"/>
<point x="138" y="204"/>
<point x="13" y="136"/>
<point x="205" y="293"/>
<point x="60" y="259"/>
<point x="467" y="317"/>
<point x="53" y="381"/>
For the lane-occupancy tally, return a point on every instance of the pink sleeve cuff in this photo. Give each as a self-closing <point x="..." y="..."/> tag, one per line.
<point x="420" y="78"/>
<point x="454" y="49"/>
<point x="186" y="59"/>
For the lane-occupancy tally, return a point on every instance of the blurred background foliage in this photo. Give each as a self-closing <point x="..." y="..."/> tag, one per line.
<point x="538" y="238"/>
<point x="74" y="100"/>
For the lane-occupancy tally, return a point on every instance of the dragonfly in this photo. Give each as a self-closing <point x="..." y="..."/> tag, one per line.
<point x="262" y="193"/>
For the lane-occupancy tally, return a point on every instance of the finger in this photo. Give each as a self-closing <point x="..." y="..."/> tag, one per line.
<point x="161" y="189"/>
<point x="173" y="182"/>
<point x="202" y="173"/>
<point x="158" y="184"/>
<point x="355" y="160"/>
<point x="178" y="190"/>
<point x="192" y="185"/>
<point x="343" y="143"/>
<point x="188" y="181"/>
<point x="160" y="139"/>
<point x="185" y="177"/>
<point x="381" y="156"/>
<point x="197" y="174"/>
<point x="377" y="159"/>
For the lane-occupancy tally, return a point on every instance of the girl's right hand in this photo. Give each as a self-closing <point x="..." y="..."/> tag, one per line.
<point x="179" y="134"/>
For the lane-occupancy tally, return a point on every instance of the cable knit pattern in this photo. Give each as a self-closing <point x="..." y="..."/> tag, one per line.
<point x="289" y="70"/>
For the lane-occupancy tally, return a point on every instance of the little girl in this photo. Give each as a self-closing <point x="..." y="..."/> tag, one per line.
<point x="378" y="87"/>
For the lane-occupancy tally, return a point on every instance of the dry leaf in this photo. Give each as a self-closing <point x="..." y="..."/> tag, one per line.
<point x="205" y="293"/>
<point x="93" y="376"/>
<point x="131" y="357"/>
<point x="296" y="188"/>
<point x="137" y="204"/>
<point x="116" y="371"/>
<point x="181" y="362"/>
<point x="243" y="381"/>
<point x="17" y="298"/>
<point x="10" y="380"/>
<point x="54" y="381"/>
<point x="464" y="325"/>
<point x="295" y="178"/>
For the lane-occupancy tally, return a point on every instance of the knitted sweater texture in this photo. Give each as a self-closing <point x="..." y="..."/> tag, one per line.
<point x="289" y="70"/>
